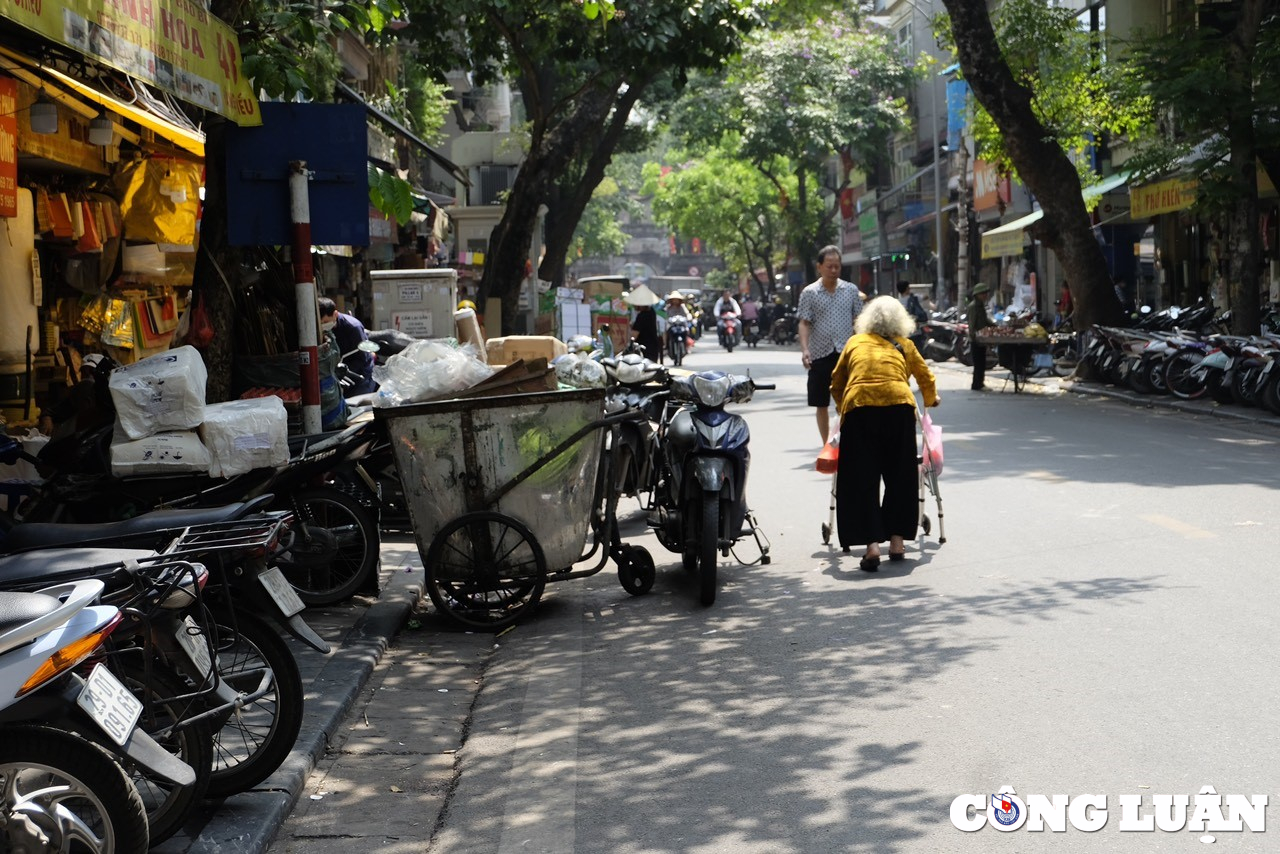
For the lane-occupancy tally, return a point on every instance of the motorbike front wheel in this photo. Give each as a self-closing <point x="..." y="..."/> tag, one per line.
<point x="71" y="793"/>
<point x="709" y="548"/>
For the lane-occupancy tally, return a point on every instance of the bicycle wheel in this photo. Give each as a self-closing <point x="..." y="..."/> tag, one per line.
<point x="484" y="570"/>
<point x="1178" y="377"/>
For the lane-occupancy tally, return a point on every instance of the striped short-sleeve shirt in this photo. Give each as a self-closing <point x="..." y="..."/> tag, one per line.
<point x="831" y="316"/>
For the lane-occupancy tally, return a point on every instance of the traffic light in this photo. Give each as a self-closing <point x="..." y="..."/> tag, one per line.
<point x="900" y="256"/>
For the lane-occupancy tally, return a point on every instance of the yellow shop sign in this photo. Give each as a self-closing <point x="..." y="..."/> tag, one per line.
<point x="174" y="45"/>
<point x="1162" y="197"/>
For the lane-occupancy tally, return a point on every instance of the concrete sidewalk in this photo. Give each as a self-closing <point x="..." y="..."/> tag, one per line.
<point x="359" y="631"/>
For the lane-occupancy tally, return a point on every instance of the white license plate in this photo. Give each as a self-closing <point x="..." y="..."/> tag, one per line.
<point x="194" y="643"/>
<point x="111" y="705"/>
<point x="281" y="591"/>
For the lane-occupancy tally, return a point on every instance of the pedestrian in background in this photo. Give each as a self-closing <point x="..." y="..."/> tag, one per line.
<point x="871" y="383"/>
<point x="978" y="320"/>
<point x="826" y="312"/>
<point x="911" y="303"/>
<point x="349" y="332"/>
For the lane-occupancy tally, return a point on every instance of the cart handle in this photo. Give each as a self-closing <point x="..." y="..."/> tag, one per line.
<point x="607" y="421"/>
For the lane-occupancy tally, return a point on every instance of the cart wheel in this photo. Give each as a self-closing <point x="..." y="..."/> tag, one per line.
<point x="636" y="572"/>
<point x="485" y="569"/>
<point x="689" y="560"/>
<point x="826" y="533"/>
<point x="926" y="525"/>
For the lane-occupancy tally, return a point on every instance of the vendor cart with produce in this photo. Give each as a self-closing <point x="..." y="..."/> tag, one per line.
<point x="1022" y="347"/>
<point x="509" y="492"/>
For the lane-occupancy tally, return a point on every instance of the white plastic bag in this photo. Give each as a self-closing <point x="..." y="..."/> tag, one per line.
<point x="426" y="369"/>
<point x="178" y="452"/>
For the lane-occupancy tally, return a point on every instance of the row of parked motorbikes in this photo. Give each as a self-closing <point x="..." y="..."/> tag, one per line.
<point x="686" y="462"/>
<point x="1189" y="353"/>
<point x="141" y="620"/>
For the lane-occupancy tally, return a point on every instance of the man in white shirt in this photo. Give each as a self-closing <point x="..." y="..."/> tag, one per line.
<point x="826" y="312"/>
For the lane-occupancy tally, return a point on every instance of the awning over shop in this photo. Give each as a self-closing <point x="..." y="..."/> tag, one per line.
<point x="74" y="93"/>
<point x="922" y="219"/>
<point x="1007" y="239"/>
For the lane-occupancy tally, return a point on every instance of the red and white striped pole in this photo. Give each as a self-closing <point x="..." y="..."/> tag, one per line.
<point x="304" y="290"/>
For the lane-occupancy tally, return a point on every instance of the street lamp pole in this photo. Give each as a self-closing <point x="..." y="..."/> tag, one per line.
<point x="940" y="285"/>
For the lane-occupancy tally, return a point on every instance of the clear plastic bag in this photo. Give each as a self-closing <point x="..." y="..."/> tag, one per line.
<point x="427" y="369"/>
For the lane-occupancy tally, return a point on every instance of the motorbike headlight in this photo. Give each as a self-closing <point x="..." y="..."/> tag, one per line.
<point x="712" y="391"/>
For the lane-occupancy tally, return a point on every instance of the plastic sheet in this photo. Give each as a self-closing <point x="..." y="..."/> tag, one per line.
<point x="579" y="370"/>
<point x="427" y="369"/>
<point x="242" y="435"/>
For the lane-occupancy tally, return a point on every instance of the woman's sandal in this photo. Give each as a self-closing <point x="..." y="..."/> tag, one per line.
<point x="897" y="556"/>
<point x="870" y="564"/>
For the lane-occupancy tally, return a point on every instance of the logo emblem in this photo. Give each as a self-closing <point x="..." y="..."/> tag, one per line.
<point x="1004" y="810"/>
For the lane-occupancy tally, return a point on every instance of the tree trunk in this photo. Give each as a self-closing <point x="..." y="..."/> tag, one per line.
<point x="1244" y="246"/>
<point x="563" y="221"/>
<point x="1042" y="164"/>
<point x="214" y="260"/>
<point x="549" y="152"/>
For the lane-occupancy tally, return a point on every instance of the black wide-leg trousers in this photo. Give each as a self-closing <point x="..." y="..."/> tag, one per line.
<point x="877" y="444"/>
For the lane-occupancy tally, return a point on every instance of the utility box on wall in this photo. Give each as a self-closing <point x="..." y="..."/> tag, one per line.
<point x="418" y="302"/>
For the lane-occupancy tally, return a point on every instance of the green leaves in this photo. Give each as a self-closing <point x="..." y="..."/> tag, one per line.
<point x="391" y="195"/>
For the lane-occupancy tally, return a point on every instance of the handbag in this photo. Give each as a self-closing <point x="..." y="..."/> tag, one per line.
<point x="932" y="453"/>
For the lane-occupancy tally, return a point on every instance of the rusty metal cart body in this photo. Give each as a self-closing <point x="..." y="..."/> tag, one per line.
<point x="1018" y="354"/>
<point x="507" y="493"/>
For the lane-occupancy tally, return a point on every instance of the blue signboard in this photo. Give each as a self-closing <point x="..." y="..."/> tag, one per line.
<point x="957" y="111"/>
<point x="332" y="140"/>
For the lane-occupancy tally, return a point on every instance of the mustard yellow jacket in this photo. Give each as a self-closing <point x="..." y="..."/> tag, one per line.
<point x="871" y="372"/>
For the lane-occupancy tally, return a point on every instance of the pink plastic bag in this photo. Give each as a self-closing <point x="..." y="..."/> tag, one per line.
<point x="932" y="443"/>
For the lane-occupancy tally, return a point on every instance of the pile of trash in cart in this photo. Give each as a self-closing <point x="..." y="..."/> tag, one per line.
<point x="432" y="369"/>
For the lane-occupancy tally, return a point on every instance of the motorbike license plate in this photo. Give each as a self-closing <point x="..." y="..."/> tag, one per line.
<point x="281" y="591"/>
<point x="192" y="640"/>
<point x="111" y="705"/>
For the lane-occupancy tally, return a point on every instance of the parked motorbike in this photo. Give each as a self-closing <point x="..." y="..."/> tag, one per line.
<point x="729" y="330"/>
<point x="939" y="335"/>
<point x="785" y="329"/>
<point x="634" y="383"/>
<point x="333" y="502"/>
<point x="59" y="732"/>
<point x="699" y="506"/>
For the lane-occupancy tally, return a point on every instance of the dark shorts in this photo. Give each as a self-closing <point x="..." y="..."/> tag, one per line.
<point x="820" y="379"/>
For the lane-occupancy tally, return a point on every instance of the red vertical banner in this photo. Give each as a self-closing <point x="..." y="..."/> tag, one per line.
<point x="8" y="146"/>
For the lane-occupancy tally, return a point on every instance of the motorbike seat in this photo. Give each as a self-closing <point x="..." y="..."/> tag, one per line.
<point x="17" y="609"/>
<point x="42" y="568"/>
<point x="44" y="535"/>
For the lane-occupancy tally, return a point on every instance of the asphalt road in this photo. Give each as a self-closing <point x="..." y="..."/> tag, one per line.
<point x="1099" y="621"/>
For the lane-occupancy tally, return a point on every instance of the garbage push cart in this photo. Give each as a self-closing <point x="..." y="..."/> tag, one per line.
<point x="507" y="493"/>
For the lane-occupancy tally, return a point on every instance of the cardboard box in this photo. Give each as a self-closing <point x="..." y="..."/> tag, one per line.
<point x="504" y="351"/>
<point x="611" y="290"/>
<point x="573" y="319"/>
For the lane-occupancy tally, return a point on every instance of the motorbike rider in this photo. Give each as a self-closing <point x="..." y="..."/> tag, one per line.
<point x="750" y="314"/>
<point x="676" y="309"/>
<point x="725" y="305"/>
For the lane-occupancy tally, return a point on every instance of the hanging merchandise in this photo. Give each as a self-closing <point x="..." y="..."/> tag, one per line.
<point x="160" y="199"/>
<point x="200" y="329"/>
<point x="117" y="330"/>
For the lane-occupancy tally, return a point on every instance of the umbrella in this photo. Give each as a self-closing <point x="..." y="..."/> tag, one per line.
<point x="641" y="296"/>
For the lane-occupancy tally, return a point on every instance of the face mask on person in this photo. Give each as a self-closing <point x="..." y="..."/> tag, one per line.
<point x="328" y="325"/>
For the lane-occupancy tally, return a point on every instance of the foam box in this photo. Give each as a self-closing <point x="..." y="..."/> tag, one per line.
<point x="179" y="452"/>
<point x="160" y="393"/>
<point x="504" y="351"/>
<point x="243" y="435"/>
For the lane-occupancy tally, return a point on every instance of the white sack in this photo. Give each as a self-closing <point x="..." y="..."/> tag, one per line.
<point x="242" y="435"/>
<point x="161" y="392"/>
<point x="164" y="453"/>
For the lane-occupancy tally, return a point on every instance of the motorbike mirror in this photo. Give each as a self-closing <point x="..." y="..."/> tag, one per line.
<point x="368" y="346"/>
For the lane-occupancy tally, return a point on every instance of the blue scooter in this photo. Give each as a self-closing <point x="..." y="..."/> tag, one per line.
<point x="700" y="502"/>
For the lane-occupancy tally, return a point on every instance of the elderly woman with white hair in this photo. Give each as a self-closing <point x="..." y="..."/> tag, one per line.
<point x="871" y="384"/>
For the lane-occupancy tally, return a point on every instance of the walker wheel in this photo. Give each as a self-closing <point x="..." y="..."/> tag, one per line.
<point x="826" y="534"/>
<point x="925" y="525"/>
<point x="765" y="560"/>
<point x="636" y="570"/>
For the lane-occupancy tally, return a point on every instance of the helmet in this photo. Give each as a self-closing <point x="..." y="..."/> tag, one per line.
<point x="466" y="303"/>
